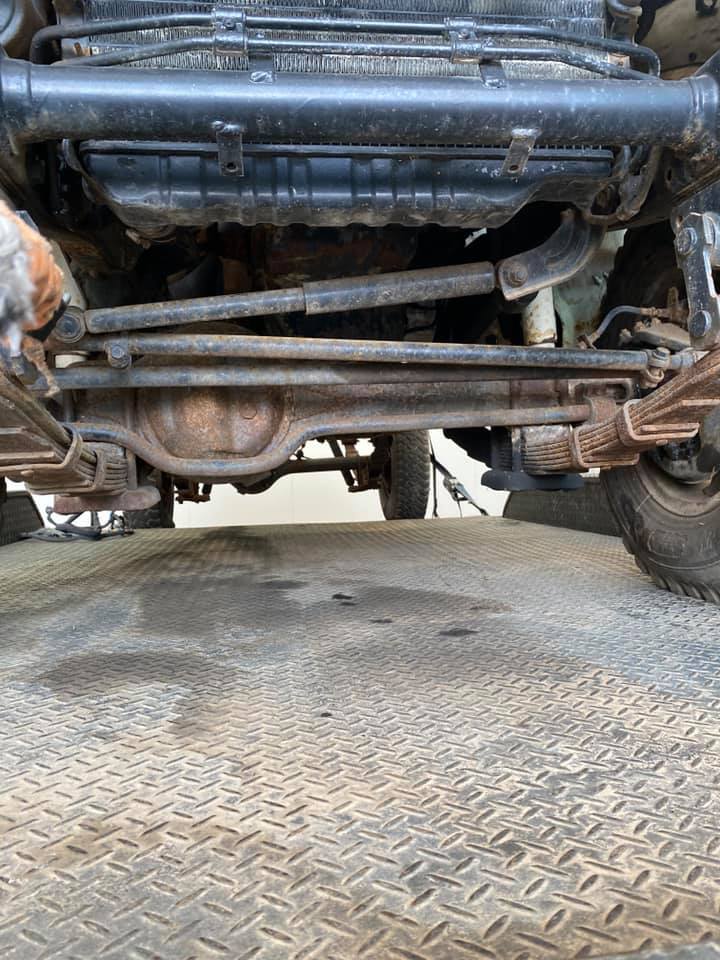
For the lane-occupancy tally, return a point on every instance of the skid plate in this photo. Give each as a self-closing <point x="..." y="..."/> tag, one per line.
<point x="410" y="741"/>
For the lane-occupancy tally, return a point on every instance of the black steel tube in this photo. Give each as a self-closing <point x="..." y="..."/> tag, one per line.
<point x="325" y="296"/>
<point x="140" y="376"/>
<point x="138" y="52"/>
<point x="349" y="48"/>
<point x="321" y="465"/>
<point x="517" y="31"/>
<point x="342" y="25"/>
<point x="322" y="350"/>
<point x="85" y="28"/>
<point x="146" y="51"/>
<point x="200" y="310"/>
<point x="288" y="21"/>
<point x="497" y="51"/>
<point x="43" y="103"/>
<point x="405" y="286"/>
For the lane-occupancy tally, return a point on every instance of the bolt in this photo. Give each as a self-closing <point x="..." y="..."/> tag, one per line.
<point x="686" y="241"/>
<point x="70" y="327"/>
<point x="516" y="274"/>
<point x="660" y="357"/>
<point x="118" y="356"/>
<point x="700" y="325"/>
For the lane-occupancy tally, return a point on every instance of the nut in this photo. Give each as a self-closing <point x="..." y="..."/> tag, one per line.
<point x="700" y="325"/>
<point x="70" y="327"/>
<point x="686" y="241"/>
<point x="515" y="274"/>
<point x="117" y="356"/>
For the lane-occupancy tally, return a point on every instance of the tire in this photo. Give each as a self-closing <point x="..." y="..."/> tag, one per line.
<point x="159" y="516"/>
<point x="584" y="509"/>
<point x="405" y="482"/>
<point x="669" y="525"/>
<point x="18" y="515"/>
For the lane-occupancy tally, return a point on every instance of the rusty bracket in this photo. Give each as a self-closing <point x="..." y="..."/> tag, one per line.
<point x="697" y="244"/>
<point x="559" y="258"/>
<point x="521" y="146"/>
<point x="141" y="498"/>
<point x="229" y="138"/>
<point x="230" y="23"/>
<point x="465" y="43"/>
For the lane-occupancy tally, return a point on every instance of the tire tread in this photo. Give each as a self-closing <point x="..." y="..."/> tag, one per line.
<point x="410" y="487"/>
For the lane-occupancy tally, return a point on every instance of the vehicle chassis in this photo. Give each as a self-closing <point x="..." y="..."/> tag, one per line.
<point x="295" y="389"/>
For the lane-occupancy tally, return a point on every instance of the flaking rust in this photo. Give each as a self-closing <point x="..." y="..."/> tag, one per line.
<point x="672" y="413"/>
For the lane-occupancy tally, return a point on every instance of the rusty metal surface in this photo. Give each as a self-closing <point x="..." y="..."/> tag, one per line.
<point x="139" y="498"/>
<point x="340" y="350"/>
<point x="411" y="741"/>
<point x="673" y="412"/>
<point x="562" y="255"/>
<point x="50" y="457"/>
<point x="293" y="255"/>
<point x="312" y="297"/>
<point x="209" y="422"/>
<point x="323" y="412"/>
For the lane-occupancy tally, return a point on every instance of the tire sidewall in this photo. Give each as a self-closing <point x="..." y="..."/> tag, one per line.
<point x="670" y="527"/>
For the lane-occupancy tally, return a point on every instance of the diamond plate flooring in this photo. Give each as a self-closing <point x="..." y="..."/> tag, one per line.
<point x="410" y="741"/>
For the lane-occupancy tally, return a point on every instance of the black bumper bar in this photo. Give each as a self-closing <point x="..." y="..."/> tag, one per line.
<point x="39" y="103"/>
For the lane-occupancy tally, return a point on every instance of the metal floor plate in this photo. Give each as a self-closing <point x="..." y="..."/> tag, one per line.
<point x="410" y="741"/>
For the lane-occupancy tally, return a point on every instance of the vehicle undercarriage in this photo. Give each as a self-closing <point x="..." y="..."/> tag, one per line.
<point x="272" y="224"/>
